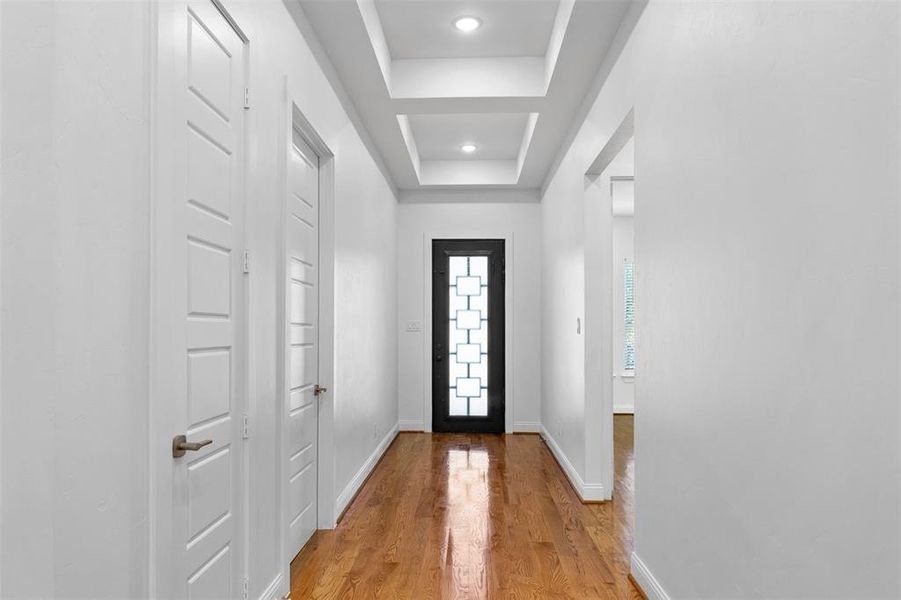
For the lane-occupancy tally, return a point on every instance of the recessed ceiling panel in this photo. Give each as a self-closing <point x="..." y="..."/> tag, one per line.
<point x="425" y="29"/>
<point x="495" y="136"/>
<point x="424" y="97"/>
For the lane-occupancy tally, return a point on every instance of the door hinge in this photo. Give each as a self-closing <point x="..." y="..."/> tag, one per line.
<point x="246" y="98"/>
<point x="246" y="265"/>
<point x="245" y="427"/>
<point x="246" y="588"/>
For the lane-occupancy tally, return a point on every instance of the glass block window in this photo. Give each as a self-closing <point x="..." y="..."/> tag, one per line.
<point x="629" y="316"/>
<point x="468" y="336"/>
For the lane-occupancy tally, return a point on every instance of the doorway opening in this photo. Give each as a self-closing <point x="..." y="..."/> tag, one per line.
<point x="468" y="320"/>
<point x="306" y="334"/>
<point x="621" y="175"/>
<point x="612" y="352"/>
<point x="302" y="389"/>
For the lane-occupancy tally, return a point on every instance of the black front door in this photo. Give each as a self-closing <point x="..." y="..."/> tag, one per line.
<point x="468" y="335"/>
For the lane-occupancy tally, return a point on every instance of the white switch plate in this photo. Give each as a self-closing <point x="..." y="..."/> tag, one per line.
<point x="414" y="326"/>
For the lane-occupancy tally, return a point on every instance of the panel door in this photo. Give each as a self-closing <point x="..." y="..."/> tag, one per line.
<point x="207" y="300"/>
<point x="302" y="353"/>
<point x="468" y="389"/>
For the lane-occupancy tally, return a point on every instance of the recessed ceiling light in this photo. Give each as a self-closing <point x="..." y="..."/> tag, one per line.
<point x="467" y="24"/>
<point x="468" y="148"/>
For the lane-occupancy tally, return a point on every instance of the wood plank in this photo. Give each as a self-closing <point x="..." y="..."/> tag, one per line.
<point x="475" y="516"/>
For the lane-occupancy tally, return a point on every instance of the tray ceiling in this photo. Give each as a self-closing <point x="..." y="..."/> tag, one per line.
<point x="423" y="29"/>
<point x="422" y="89"/>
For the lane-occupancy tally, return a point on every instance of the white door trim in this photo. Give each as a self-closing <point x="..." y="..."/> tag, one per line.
<point x="293" y="118"/>
<point x="509" y="254"/>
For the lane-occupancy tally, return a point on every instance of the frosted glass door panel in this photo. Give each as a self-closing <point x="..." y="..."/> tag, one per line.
<point x="468" y="338"/>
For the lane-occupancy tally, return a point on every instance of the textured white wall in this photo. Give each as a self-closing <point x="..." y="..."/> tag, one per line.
<point x="470" y="219"/>
<point x="767" y="241"/>
<point x="75" y="290"/>
<point x="562" y="303"/>
<point x="767" y="190"/>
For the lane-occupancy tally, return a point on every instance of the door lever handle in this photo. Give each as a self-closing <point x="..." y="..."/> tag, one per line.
<point x="180" y="445"/>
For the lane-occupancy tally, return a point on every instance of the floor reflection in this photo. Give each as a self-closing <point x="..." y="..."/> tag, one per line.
<point x="468" y="510"/>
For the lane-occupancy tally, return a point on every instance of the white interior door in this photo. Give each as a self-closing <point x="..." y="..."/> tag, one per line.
<point x="200" y="292"/>
<point x="302" y="352"/>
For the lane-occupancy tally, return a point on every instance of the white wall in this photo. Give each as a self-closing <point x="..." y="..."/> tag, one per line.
<point x="562" y="304"/>
<point x="75" y="289"/>
<point x="576" y="231"/>
<point x="767" y="165"/>
<point x="490" y="220"/>
<point x="75" y="275"/>
<point x="364" y="392"/>
<point x="756" y="249"/>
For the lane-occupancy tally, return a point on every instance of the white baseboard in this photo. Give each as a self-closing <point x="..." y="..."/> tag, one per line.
<point x="527" y="427"/>
<point x="588" y="492"/>
<point x="411" y="425"/>
<point x="623" y="409"/>
<point x="351" y="489"/>
<point x="275" y="590"/>
<point x="646" y="581"/>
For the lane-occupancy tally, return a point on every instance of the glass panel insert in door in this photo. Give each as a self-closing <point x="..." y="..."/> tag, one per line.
<point x="468" y="336"/>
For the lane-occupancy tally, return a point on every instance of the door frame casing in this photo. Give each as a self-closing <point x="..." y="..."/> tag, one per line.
<point x="166" y="81"/>
<point x="326" y="518"/>
<point x="509" y="347"/>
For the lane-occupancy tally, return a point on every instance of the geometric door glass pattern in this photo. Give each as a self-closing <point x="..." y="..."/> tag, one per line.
<point x="468" y="336"/>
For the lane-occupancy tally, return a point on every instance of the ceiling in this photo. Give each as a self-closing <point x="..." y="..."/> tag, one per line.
<point x="496" y="136"/>
<point x="424" y="29"/>
<point x="421" y="89"/>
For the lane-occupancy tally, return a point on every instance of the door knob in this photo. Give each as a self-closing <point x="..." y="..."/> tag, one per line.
<point x="180" y="445"/>
<point x="319" y="390"/>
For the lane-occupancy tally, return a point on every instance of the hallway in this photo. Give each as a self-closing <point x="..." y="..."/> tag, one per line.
<point x="474" y="516"/>
<point x="445" y="299"/>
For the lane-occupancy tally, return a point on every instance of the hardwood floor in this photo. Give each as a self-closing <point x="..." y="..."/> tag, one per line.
<point x="474" y="516"/>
